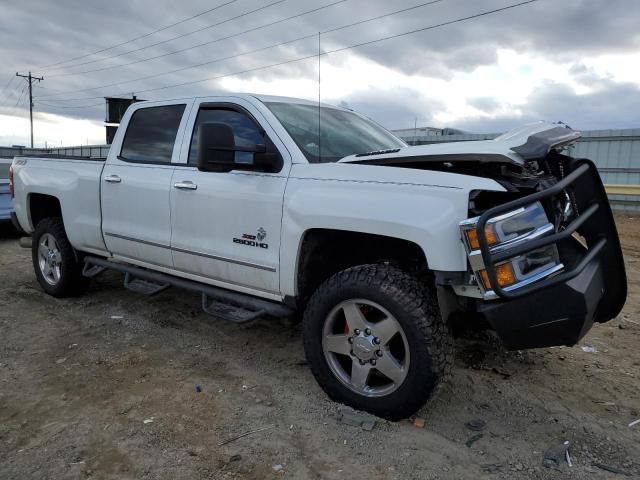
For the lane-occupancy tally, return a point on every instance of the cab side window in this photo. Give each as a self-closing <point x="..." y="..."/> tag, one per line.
<point x="246" y="132"/>
<point x="151" y="134"/>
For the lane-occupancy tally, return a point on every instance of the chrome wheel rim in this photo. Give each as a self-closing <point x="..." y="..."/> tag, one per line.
<point x="365" y="348"/>
<point x="49" y="259"/>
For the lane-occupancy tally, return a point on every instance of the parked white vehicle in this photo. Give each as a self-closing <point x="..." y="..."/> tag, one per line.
<point x="384" y="249"/>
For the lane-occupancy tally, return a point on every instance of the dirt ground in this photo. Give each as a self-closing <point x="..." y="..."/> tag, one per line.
<point x="117" y="385"/>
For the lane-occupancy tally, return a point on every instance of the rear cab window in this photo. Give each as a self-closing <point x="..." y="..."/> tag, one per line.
<point x="151" y="134"/>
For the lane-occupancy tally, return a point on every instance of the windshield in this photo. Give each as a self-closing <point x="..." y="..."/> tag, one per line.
<point x="342" y="133"/>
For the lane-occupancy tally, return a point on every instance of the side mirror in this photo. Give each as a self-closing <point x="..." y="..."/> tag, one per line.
<point x="216" y="145"/>
<point x="217" y="150"/>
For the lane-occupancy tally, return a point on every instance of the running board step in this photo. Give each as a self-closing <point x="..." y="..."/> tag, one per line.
<point x="91" y="271"/>
<point x="225" y="304"/>
<point x="226" y="311"/>
<point x="139" y="285"/>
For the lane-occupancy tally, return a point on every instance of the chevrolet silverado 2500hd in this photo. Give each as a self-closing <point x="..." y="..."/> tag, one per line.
<point x="384" y="248"/>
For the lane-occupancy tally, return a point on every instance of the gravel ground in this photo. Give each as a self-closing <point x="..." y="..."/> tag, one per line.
<point x="117" y="385"/>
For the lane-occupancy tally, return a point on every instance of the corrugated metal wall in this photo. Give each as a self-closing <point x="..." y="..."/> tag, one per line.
<point x="617" y="155"/>
<point x="615" y="152"/>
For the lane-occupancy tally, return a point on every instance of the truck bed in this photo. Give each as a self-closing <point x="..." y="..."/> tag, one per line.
<point x="75" y="181"/>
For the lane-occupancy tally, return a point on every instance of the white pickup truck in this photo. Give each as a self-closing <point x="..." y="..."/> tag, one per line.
<point x="274" y="206"/>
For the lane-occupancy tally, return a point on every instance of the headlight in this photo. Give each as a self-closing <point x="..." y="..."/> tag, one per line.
<point x="504" y="231"/>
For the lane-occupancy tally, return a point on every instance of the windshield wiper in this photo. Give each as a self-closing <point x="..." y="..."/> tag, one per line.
<point x="378" y="152"/>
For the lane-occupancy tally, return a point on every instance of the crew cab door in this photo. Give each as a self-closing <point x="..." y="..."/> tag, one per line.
<point x="226" y="224"/>
<point x="136" y="182"/>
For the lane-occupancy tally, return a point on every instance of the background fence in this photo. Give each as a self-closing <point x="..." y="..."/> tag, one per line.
<point x="93" y="151"/>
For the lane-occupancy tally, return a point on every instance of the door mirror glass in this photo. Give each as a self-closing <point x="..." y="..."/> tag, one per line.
<point x="227" y="138"/>
<point x="215" y="146"/>
<point x="217" y="150"/>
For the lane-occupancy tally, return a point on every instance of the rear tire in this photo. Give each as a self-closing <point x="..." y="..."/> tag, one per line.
<point x="394" y="305"/>
<point x="57" y="268"/>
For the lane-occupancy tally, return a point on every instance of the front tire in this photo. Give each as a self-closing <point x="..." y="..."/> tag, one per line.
<point x="375" y="340"/>
<point x="57" y="269"/>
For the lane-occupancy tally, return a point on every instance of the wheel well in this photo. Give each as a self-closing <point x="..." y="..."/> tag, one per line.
<point x="325" y="252"/>
<point x="43" y="206"/>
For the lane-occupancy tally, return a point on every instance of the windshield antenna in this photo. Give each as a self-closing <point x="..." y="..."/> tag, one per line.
<point x="319" y="136"/>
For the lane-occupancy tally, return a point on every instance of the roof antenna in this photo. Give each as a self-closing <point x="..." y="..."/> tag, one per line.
<point x="319" y="135"/>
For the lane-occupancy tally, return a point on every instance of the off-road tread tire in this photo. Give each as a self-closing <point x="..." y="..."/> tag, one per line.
<point x="72" y="283"/>
<point x="414" y="304"/>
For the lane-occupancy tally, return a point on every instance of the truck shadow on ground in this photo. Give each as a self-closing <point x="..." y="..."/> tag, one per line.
<point x="7" y="231"/>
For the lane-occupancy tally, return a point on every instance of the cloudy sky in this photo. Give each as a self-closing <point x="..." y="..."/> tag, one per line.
<point x="569" y="60"/>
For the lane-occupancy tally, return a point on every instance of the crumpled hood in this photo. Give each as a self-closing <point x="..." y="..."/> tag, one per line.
<point x="517" y="146"/>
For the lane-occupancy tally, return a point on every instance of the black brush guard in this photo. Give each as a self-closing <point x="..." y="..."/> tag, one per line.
<point x="593" y="287"/>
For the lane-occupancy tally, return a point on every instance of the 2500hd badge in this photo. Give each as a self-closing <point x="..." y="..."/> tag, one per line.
<point x="253" y="240"/>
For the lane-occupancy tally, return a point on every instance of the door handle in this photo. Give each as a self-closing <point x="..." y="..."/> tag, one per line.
<point x="112" y="179"/>
<point x="187" y="185"/>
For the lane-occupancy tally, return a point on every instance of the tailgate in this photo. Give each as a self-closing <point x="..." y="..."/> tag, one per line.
<point x="5" y="200"/>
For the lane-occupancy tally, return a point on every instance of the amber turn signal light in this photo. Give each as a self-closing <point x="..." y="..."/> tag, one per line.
<point x="472" y="237"/>
<point x="504" y="274"/>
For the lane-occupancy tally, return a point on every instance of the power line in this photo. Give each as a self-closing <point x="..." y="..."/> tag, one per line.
<point x="10" y="96"/>
<point x="11" y="93"/>
<point x="136" y="38"/>
<point x="11" y="79"/>
<point x="40" y="102"/>
<point x="166" y="54"/>
<point x="178" y="36"/>
<point x="20" y="96"/>
<point x="326" y="52"/>
<point x="46" y="89"/>
<point x="229" y="57"/>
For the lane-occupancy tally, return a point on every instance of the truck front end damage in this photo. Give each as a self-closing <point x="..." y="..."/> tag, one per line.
<point x="544" y="258"/>
<point x="549" y="264"/>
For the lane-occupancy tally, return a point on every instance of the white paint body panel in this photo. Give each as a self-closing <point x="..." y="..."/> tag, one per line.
<point x="420" y="206"/>
<point x="138" y="207"/>
<point x="225" y="206"/>
<point x="136" y="212"/>
<point x="76" y="184"/>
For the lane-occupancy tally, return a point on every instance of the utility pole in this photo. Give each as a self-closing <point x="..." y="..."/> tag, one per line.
<point x="30" y="79"/>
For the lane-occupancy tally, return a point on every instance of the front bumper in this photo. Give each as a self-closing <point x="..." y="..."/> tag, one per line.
<point x="561" y="309"/>
<point x="558" y="315"/>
